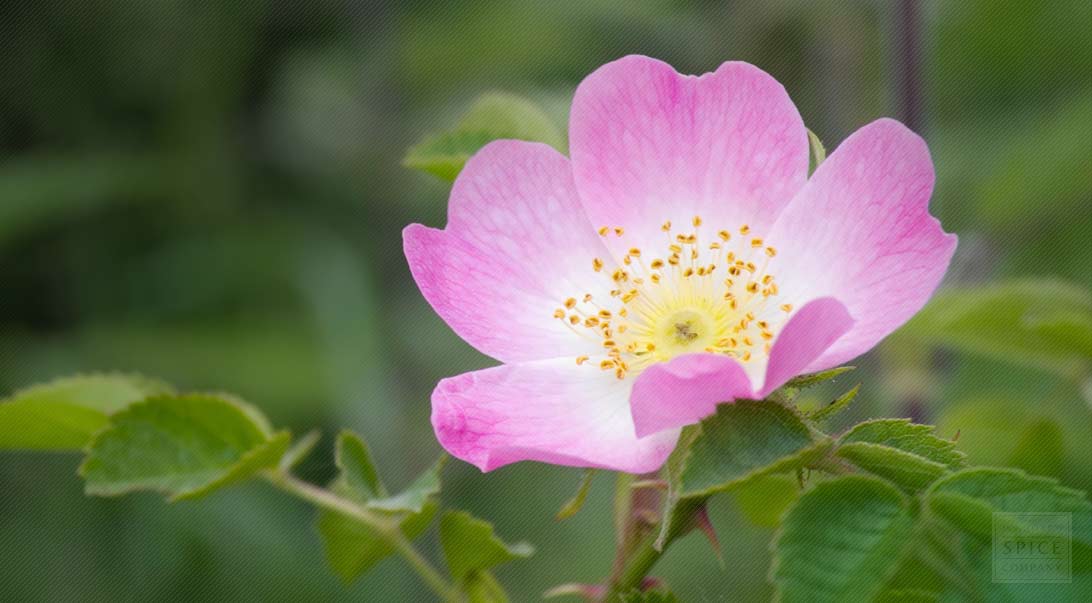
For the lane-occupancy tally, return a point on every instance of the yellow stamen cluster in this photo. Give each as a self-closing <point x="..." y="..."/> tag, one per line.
<point x="698" y="296"/>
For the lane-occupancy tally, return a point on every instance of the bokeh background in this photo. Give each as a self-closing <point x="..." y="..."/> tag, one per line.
<point x="212" y="193"/>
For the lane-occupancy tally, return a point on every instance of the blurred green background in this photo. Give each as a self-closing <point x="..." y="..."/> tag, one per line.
<point x="212" y="193"/>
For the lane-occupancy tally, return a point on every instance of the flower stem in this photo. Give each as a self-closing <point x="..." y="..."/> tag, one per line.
<point x="384" y="527"/>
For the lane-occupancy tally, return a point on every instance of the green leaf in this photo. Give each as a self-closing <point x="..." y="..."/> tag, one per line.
<point x="745" y="440"/>
<point x="493" y="116"/>
<point x="353" y="548"/>
<point x="765" y="499"/>
<point x="575" y="503"/>
<point x="1046" y="324"/>
<point x="183" y="446"/>
<point x="354" y="460"/>
<point x="909" y="437"/>
<point x="818" y="152"/>
<point x="414" y="498"/>
<point x="811" y="379"/>
<point x="66" y="413"/>
<point x="903" y="468"/>
<point x="969" y="500"/>
<point x="841" y="541"/>
<point x="471" y="549"/>
<point x="836" y="406"/>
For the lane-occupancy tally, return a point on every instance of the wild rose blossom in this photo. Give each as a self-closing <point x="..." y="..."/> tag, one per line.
<point x="678" y="259"/>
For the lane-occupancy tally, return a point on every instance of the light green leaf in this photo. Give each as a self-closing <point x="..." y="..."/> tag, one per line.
<point x="183" y="446"/>
<point x="841" y="541"/>
<point x="909" y="437"/>
<point x="742" y="441"/>
<point x="764" y="500"/>
<point x="818" y="152"/>
<point x="836" y="406"/>
<point x="353" y="548"/>
<point x="354" y="460"/>
<point x="471" y="546"/>
<point x="416" y="496"/>
<point x="493" y="116"/>
<point x="482" y="587"/>
<point x="65" y="414"/>
<point x="969" y="500"/>
<point x="903" y="468"/>
<point x="811" y="379"/>
<point x="1046" y="324"/>
<point x="575" y="503"/>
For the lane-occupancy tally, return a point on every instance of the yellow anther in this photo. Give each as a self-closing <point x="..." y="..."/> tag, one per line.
<point x="673" y="260"/>
<point x="733" y="270"/>
<point x="580" y="360"/>
<point x="604" y="314"/>
<point x="724" y="235"/>
<point x="696" y="221"/>
<point x="623" y="312"/>
<point x="627" y="260"/>
<point x="597" y="264"/>
<point x="559" y="313"/>
<point x="628" y="297"/>
<point x="766" y="279"/>
<point x="606" y="365"/>
<point x="767" y="335"/>
<point x="714" y="246"/>
<point x="603" y="230"/>
<point x="675" y="248"/>
<point x="587" y="297"/>
<point x="591" y="321"/>
<point x="746" y="356"/>
<point x="728" y="283"/>
<point x="770" y="251"/>
<point x="635" y="252"/>
<point x="762" y="324"/>
<point x="574" y="320"/>
<point x="619" y="275"/>
<point x="756" y="243"/>
<point x="688" y="272"/>
<point x="655" y="278"/>
<point x="570" y="303"/>
<point x="723" y="343"/>
<point x="744" y="229"/>
<point x="657" y="264"/>
<point x="751" y="267"/>
<point x="747" y="342"/>
<point x="666" y="226"/>
<point x="620" y="373"/>
<point x="786" y="307"/>
<point x="609" y="343"/>
<point x="618" y="230"/>
<point x="752" y="287"/>
<point x="701" y="270"/>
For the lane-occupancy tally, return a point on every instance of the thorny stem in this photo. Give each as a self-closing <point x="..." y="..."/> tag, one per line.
<point x="387" y="529"/>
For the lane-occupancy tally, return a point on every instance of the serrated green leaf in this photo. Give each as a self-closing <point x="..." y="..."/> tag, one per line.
<point x="354" y="460"/>
<point x="417" y="494"/>
<point x="836" y="406"/>
<point x="818" y="153"/>
<point x="765" y="499"/>
<point x="1044" y="323"/>
<point x="900" y="467"/>
<point x="493" y="116"/>
<point x="909" y="437"/>
<point x="841" y="541"/>
<point x="574" y="504"/>
<point x="183" y="446"/>
<point x="471" y="546"/>
<point x="353" y="548"/>
<point x="66" y="413"/>
<point x="971" y="498"/>
<point x="744" y="440"/>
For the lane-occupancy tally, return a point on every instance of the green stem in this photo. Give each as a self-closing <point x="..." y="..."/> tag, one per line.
<point x="387" y="529"/>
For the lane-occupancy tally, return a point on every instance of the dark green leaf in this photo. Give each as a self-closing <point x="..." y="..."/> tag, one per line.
<point x="493" y="116"/>
<point x="183" y="446"/>
<point x="972" y="498"/>
<point x="470" y="545"/>
<point x="744" y="440"/>
<point x="575" y="503"/>
<point x="841" y="541"/>
<point x="353" y="548"/>
<point x="65" y="414"/>
<point x="765" y="499"/>
<point x="909" y="437"/>
<point x="903" y="468"/>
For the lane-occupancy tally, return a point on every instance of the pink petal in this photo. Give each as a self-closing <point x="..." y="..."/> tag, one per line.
<point x="551" y="411"/>
<point x="688" y="388"/>
<point x="861" y="231"/>
<point x="685" y="390"/>
<point x="516" y="246"/>
<point x="807" y="335"/>
<point x="650" y="145"/>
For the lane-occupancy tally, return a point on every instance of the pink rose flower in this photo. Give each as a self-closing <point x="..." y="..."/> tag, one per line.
<point x="679" y="259"/>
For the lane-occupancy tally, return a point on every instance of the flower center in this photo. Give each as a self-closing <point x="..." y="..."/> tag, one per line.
<point x="695" y="296"/>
